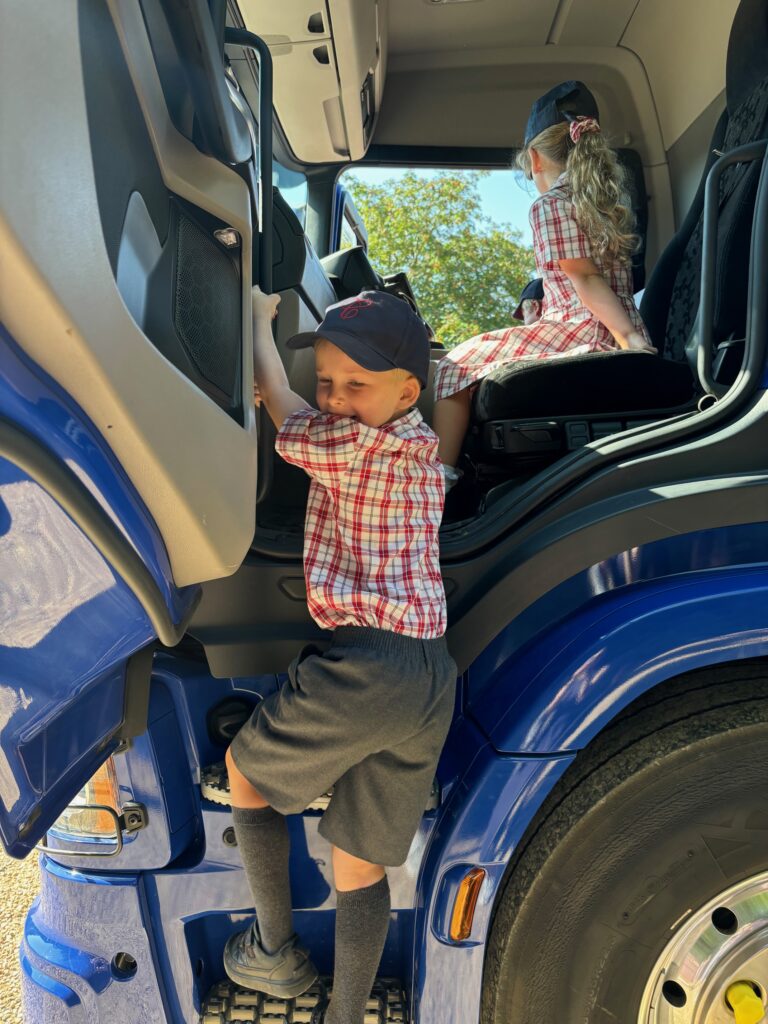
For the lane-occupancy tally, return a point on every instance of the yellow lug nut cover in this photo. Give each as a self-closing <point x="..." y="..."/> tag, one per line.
<point x="746" y="1004"/>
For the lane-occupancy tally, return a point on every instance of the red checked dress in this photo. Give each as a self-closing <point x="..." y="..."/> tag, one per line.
<point x="566" y="327"/>
<point x="371" y="552"/>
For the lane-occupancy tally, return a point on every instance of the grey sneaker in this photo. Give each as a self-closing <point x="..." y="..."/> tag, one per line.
<point x="287" y="973"/>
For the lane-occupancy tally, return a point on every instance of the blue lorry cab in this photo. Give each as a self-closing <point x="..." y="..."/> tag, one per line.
<point x="594" y="845"/>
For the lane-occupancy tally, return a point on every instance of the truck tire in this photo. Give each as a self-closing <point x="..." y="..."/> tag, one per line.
<point x="664" y="813"/>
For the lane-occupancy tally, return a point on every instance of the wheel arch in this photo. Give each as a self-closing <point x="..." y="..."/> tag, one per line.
<point x="563" y="688"/>
<point x="670" y="704"/>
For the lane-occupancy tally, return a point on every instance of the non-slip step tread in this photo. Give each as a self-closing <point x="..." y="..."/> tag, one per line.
<point x="214" y="786"/>
<point x="227" y="1003"/>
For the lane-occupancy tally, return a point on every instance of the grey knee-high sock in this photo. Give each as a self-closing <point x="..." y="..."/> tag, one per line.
<point x="264" y="844"/>
<point x="362" y="919"/>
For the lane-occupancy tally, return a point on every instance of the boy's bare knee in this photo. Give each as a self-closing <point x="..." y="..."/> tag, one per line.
<point x="351" y="873"/>
<point x="243" y="794"/>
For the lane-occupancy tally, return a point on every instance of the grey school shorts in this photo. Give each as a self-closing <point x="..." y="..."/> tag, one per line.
<point x="368" y="716"/>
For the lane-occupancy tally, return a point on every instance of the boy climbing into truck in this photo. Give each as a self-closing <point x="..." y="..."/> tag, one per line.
<point x="368" y="716"/>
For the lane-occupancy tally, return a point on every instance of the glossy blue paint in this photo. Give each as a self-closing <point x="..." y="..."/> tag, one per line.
<point x="95" y="970"/>
<point x="69" y="623"/>
<point x="193" y="906"/>
<point x="71" y="874"/>
<point x="55" y="988"/>
<point x="69" y="628"/>
<point x="72" y="934"/>
<point x="673" y="557"/>
<point x="480" y="826"/>
<point x="30" y="398"/>
<point x="556" y="689"/>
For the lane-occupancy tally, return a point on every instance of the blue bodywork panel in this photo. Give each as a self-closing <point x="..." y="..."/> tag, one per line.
<point x="525" y="708"/>
<point x="69" y="623"/>
<point x="617" y="630"/>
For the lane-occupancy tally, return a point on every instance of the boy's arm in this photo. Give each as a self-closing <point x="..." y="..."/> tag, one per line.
<point x="597" y="295"/>
<point x="268" y="370"/>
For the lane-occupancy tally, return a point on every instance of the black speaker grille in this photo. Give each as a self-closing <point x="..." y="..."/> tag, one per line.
<point x="207" y="312"/>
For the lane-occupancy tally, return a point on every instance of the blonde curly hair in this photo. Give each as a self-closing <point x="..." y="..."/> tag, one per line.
<point x="598" y="185"/>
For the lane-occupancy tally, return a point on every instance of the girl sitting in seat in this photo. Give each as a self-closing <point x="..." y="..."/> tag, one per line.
<point x="583" y="244"/>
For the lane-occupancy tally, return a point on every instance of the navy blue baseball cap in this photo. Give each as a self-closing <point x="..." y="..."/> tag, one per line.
<point x="377" y="330"/>
<point x="565" y="102"/>
<point x="533" y="290"/>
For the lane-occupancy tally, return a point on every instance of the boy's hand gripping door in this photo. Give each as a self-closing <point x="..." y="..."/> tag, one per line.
<point x="127" y="435"/>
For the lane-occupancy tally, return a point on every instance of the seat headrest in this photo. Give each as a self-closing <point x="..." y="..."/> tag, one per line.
<point x="747" y="52"/>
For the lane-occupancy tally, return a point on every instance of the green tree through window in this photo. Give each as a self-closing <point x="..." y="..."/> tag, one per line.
<point x="466" y="270"/>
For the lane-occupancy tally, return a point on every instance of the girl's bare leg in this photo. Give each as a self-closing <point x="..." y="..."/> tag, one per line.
<point x="450" y="421"/>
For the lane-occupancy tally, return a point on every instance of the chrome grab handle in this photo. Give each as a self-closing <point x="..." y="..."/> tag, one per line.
<point x="704" y="355"/>
<point x="132" y="818"/>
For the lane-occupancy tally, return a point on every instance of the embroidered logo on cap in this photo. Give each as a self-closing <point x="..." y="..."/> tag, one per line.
<point x="353" y="308"/>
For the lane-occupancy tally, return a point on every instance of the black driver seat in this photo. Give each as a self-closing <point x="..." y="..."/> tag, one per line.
<point x="568" y="402"/>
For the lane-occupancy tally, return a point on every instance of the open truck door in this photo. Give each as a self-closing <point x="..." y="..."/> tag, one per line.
<point x="127" y="429"/>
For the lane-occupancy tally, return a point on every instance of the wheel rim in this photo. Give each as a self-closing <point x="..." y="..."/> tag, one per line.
<point x="721" y="943"/>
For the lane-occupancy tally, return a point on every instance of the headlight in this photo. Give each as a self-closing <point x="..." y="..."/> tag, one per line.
<point x="81" y="820"/>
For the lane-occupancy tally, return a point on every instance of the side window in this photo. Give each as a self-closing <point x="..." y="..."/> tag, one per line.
<point x="348" y="236"/>
<point x="461" y="236"/>
<point x="352" y="230"/>
<point x="293" y="188"/>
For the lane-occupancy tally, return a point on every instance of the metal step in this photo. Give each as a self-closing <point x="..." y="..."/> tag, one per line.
<point x="227" y="1003"/>
<point x="214" y="786"/>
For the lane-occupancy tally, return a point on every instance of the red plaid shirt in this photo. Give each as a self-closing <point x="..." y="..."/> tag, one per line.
<point x="371" y="555"/>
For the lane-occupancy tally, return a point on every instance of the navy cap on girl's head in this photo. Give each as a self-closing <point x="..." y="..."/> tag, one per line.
<point x="562" y="103"/>
<point x="533" y="290"/>
<point x="377" y="330"/>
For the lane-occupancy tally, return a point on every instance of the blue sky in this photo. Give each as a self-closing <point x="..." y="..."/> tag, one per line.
<point x="504" y="199"/>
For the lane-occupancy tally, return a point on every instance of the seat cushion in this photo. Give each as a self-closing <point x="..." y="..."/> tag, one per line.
<point x="599" y="382"/>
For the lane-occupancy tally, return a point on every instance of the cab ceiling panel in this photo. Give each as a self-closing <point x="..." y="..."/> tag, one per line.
<point x="329" y="59"/>
<point x="591" y="22"/>
<point x="430" y="25"/>
<point x="482" y="97"/>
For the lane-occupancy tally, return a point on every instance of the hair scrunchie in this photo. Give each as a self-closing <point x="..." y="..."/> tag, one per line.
<point x="583" y="126"/>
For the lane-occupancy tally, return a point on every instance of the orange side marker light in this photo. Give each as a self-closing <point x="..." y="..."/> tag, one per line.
<point x="464" y="906"/>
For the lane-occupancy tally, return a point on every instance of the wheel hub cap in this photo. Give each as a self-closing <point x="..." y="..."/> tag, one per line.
<point x="725" y="942"/>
